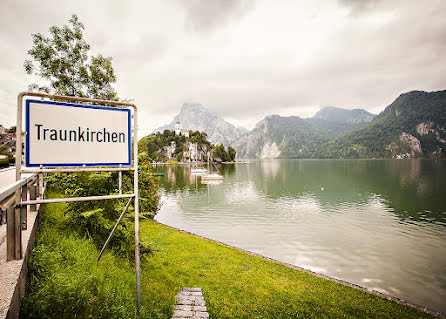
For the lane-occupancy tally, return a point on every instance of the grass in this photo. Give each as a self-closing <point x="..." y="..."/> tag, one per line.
<point x="239" y="285"/>
<point x="65" y="281"/>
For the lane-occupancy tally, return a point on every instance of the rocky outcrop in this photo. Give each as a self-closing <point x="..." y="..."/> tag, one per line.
<point x="426" y="128"/>
<point x="189" y="151"/>
<point x="408" y="146"/>
<point x="412" y="142"/>
<point x="196" y="117"/>
<point x="270" y="151"/>
<point x="256" y="144"/>
<point x="167" y="151"/>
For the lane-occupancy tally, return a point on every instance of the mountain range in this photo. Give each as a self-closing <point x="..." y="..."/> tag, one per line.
<point x="413" y="126"/>
<point x="289" y="137"/>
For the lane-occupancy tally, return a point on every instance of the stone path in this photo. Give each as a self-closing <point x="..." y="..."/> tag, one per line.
<point x="190" y="304"/>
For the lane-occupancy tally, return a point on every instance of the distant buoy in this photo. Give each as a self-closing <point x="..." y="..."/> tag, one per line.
<point x="322" y="189"/>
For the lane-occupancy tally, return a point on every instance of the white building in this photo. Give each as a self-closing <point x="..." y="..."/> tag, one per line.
<point x="179" y="130"/>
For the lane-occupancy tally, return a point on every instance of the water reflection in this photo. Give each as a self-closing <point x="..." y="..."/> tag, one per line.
<point x="178" y="177"/>
<point x="380" y="224"/>
<point x="212" y="182"/>
<point x="412" y="188"/>
<point x="227" y="170"/>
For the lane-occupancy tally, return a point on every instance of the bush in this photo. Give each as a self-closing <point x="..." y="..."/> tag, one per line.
<point x="96" y="219"/>
<point x="4" y="162"/>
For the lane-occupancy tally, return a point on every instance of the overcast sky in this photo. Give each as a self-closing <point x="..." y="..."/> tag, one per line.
<point x="242" y="59"/>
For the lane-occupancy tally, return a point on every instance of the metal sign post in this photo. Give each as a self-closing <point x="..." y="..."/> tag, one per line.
<point x="100" y="136"/>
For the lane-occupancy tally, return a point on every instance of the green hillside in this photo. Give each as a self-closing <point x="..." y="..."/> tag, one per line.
<point x="412" y="126"/>
<point x="293" y="136"/>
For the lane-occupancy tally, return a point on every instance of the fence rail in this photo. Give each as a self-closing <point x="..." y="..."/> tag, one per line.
<point x="29" y="188"/>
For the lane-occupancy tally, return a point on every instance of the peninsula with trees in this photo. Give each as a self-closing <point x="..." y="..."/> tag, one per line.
<point x="183" y="146"/>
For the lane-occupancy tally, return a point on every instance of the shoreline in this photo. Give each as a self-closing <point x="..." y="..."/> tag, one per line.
<point x="332" y="279"/>
<point x="192" y="163"/>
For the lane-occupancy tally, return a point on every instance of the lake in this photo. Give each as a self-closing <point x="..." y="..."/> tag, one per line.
<point x="380" y="224"/>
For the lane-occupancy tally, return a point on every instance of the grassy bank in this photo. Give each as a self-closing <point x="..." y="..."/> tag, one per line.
<point x="239" y="285"/>
<point x="65" y="281"/>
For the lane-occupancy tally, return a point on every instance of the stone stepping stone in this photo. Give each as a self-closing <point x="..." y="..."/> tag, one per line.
<point x="190" y="304"/>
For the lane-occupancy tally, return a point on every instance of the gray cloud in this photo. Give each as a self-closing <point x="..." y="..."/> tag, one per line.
<point x="358" y="7"/>
<point x="247" y="61"/>
<point x="203" y="16"/>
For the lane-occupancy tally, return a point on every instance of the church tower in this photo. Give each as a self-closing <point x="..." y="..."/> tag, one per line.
<point x="177" y="128"/>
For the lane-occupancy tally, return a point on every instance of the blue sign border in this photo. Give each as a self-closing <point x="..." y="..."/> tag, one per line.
<point x="27" y="146"/>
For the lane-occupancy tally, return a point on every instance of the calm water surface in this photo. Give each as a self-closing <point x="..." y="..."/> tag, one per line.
<point x="377" y="223"/>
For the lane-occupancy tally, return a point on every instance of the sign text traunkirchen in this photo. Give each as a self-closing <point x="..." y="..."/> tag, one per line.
<point x="61" y="134"/>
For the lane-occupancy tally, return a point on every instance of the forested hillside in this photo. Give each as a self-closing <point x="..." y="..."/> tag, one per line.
<point x="413" y="126"/>
<point x="289" y="137"/>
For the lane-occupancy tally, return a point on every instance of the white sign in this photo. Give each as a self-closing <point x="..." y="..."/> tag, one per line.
<point x="61" y="134"/>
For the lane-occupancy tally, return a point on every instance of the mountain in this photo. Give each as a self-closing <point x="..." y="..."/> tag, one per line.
<point x="196" y="117"/>
<point x="243" y="130"/>
<point x="336" y="114"/>
<point x="413" y="126"/>
<point x="289" y="137"/>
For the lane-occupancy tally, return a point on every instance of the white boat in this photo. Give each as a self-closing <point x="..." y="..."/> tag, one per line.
<point x="211" y="176"/>
<point x="212" y="182"/>
<point x="197" y="170"/>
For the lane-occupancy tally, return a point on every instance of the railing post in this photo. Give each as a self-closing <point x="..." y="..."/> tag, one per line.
<point x="17" y="233"/>
<point x="120" y="180"/>
<point x="24" y="208"/>
<point x="40" y="185"/>
<point x="14" y="233"/>
<point x="10" y="231"/>
<point x="33" y="196"/>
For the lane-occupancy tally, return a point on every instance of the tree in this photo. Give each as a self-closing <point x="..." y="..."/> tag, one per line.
<point x="232" y="152"/>
<point x="12" y="129"/>
<point x="221" y="153"/>
<point x="62" y="60"/>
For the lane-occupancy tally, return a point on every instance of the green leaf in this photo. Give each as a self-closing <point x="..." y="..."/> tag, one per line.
<point x="90" y="213"/>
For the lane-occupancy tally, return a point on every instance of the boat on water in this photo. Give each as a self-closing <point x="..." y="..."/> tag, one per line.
<point x="197" y="170"/>
<point x="211" y="176"/>
<point x="159" y="174"/>
<point x="212" y="182"/>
